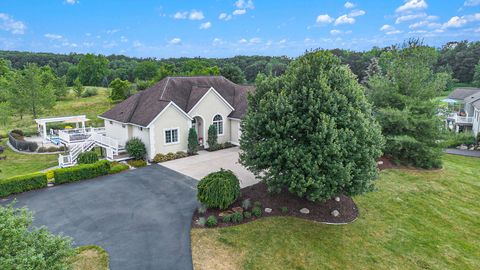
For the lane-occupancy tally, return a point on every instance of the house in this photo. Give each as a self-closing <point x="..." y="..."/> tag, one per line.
<point x="466" y="107"/>
<point x="162" y="115"/>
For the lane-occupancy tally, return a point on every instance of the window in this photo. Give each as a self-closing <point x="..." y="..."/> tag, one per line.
<point x="218" y="123"/>
<point x="111" y="122"/>
<point x="141" y="129"/>
<point x="171" y="136"/>
<point x="123" y="126"/>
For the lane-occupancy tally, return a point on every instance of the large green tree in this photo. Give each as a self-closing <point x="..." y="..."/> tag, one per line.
<point x="26" y="247"/>
<point x="92" y="69"/>
<point x="403" y="96"/>
<point x="29" y="92"/>
<point x="311" y="130"/>
<point x="233" y="73"/>
<point x="146" y="70"/>
<point x="120" y="89"/>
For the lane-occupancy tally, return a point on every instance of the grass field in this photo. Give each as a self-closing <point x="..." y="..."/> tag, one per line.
<point x="414" y="220"/>
<point x="90" y="106"/>
<point x="91" y="258"/>
<point x="18" y="164"/>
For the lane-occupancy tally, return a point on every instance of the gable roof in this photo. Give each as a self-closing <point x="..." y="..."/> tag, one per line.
<point x="472" y="98"/>
<point x="462" y="93"/>
<point x="476" y="104"/>
<point x="185" y="92"/>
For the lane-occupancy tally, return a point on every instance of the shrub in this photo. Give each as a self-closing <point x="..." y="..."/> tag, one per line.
<point x="81" y="172"/>
<point x="22" y="183"/>
<point x="89" y="157"/>
<point x="246" y="204"/>
<point x="50" y="175"/>
<point x="118" y="167"/>
<point x="159" y="158"/>
<point x="42" y="149"/>
<point x="409" y="151"/>
<point x="32" y="146"/>
<point x="18" y="132"/>
<point x="257" y="211"/>
<point x="181" y="154"/>
<point x="201" y="221"/>
<point x="247" y="214"/>
<point x="454" y="139"/>
<point x="192" y="141"/>
<point x="284" y="209"/>
<point x="212" y="136"/>
<point x="90" y="92"/>
<point x="18" y="142"/>
<point x="170" y="156"/>
<point x="219" y="189"/>
<point x="227" y="218"/>
<point x="237" y="217"/>
<point x="211" y="221"/>
<point x="137" y="163"/>
<point x="202" y="209"/>
<point x="257" y="204"/>
<point x="136" y="148"/>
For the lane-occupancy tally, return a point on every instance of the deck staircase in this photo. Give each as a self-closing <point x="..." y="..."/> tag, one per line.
<point x="114" y="151"/>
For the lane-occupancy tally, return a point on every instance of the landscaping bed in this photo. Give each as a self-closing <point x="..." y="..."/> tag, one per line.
<point x="318" y="211"/>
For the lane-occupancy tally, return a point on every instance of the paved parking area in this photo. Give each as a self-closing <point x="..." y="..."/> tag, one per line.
<point x="141" y="217"/>
<point x="206" y="162"/>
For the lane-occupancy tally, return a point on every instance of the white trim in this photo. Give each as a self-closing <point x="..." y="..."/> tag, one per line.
<point x="165" y="137"/>
<point x="203" y="97"/>
<point x="164" y="109"/>
<point x="235" y="119"/>
<point x="203" y="129"/>
<point x="151" y="134"/>
<point x="123" y="123"/>
<point x="223" y="124"/>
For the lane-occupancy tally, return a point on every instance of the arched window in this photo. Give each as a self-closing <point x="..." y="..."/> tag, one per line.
<point x="218" y="123"/>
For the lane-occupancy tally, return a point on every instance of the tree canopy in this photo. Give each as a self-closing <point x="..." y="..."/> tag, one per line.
<point x="311" y="130"/>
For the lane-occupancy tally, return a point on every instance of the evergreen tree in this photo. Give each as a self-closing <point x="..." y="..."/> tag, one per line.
<point x="212" y="137"/>
<point x="192" y="141"/>
<point x="476" y="75"/>
<point x="78" y="88"/>
<point x="403" y="97"/>
<point x="311" y="130"/>
<point x="233" y="73"/>
<point x="120" y="89"/>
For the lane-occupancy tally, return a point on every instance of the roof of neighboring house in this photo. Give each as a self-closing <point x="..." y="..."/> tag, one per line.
<point x="472" y="98"/>
<point x="476" y="104"/>
<point x="185" y="92"/>
<point x="462" y="93"/>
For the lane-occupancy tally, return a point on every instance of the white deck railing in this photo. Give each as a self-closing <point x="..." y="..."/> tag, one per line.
<point x="78" y="134"/>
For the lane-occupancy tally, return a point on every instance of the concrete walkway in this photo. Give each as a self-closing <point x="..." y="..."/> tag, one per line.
<point x="140" y="217"/>
<point x="205" y="162"/>
<point x="466" y="153"/>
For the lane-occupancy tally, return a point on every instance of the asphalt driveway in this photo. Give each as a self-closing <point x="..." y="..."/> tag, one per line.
<point x="140" y="217"/>
<point x="205" y="162"/>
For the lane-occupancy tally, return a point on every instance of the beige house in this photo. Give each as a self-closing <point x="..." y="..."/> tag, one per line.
<point x="162" y="115"/>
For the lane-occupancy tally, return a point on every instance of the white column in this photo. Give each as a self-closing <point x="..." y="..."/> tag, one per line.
<point x="44" y="131"/>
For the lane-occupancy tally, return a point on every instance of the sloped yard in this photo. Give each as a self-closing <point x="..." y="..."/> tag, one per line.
<point x="415" y="220"/>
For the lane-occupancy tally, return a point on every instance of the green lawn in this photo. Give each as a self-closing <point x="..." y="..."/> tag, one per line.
<point x="90" y="106"/>
<point x="18" y="164"/>
<point x="414" y="220"/>
<point x="91" y="258"/>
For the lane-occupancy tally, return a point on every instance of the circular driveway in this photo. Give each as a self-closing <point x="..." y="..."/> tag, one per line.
<point x="140" y="217"/>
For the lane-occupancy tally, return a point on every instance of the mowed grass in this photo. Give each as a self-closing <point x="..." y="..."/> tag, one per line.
<point x="91" y="258"/>
<point x="19" y="164"/>
<point x="414" y="220"/>
<point x="71" y="105"/>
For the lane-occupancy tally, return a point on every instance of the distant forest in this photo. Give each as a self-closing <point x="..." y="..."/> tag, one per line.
<point x="457" y="58"/>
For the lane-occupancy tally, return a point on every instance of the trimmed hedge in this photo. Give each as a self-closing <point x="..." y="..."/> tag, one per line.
<point x="81" y="172"/>
<point x="118" y="167"/>
<point x="22" y="183"/>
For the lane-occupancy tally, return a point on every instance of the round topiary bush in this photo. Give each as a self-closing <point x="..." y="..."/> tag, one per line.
<point x="136" y="148"/>
<point x="219" y="189"/>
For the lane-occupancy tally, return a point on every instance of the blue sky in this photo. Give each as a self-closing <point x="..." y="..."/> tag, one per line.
<point x="222" y="28"/>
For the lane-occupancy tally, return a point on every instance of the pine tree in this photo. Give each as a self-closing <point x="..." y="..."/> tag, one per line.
<point x="311" y="130"/>
<point x="192" y="141"/>
<point x="212" y="137"/>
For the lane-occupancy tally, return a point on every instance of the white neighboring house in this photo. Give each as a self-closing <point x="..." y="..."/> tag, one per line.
<point x="162" y="115"/>
<point x="467" y="118"/>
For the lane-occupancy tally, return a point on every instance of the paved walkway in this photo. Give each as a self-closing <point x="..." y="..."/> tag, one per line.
<point x="466" y="153"/>
<point x="140" y="217"/>
<point x="205" y="162"/>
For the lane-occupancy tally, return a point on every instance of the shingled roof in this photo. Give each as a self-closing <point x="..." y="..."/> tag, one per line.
<point x="462" y="93"/>
<point x="185" y="92"/>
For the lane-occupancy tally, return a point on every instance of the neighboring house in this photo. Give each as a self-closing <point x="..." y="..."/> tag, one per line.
<point x="466" y="103"/>
<point x="162" y="115"/>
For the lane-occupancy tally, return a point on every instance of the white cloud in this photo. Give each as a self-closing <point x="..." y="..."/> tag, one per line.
<point x="412" y="5"/>
<point x="357" y="13"/>
<point x="123" y="39"/>
<point x="349" y="5"/>
<point x="242" y="4"/>
<point x="53" y="36"/>
<point x="243" y="41"/>
<point x="225" y="17"/>
<point x="424" y="23"/>
<point x="72" y="2"/>
<point x="335" y="32"/>
<point x="175" y="41"/>
<point x="283" y="41"/>
<point x="324" y="19"/>
<point x="386" y="27"/>
<point x="239" y="11"/>
<point x="137" y="44"/>
<point x="192" y="15"/>
<point x="410" y="17"/>
<point x="112" y="31"/>
<point x="205" y="25"/>
<point x="217" y="41"/>
<point x="344" y="19"/>
<point x="255" y="40"/>
<point x="471" y="3"/>
<point x="7" y="23"/>
<point x="456" y="22"/>
<point x="394" y="32"/>
<point x="196" y="15"/>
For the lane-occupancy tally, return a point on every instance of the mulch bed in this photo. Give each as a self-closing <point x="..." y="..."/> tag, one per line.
<point x="319" y="211"/>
